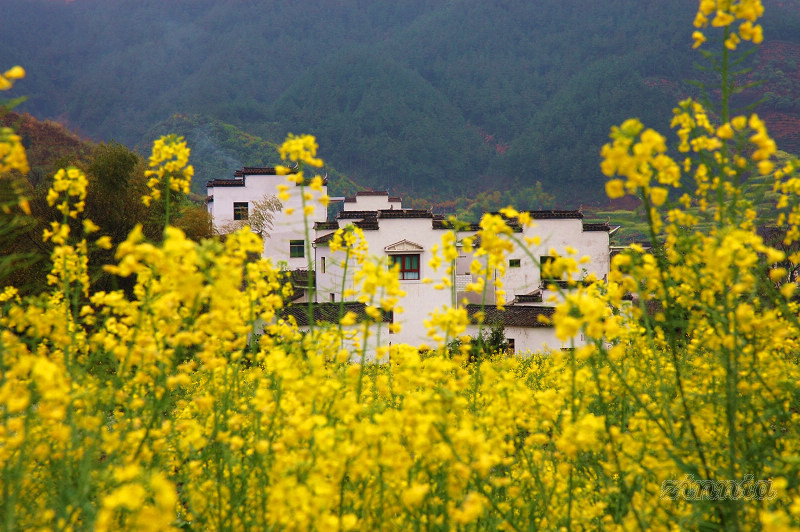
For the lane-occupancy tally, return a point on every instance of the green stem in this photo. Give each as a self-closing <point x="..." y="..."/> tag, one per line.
<point x="731" y="408"/>
<point x="341" y="296"/>
<point x="362" y="369"/>
<point x="309" y="260"/>
<point x="725" y="116"/>
<point x="725" y="72"/>
<point x="166" y="201"/>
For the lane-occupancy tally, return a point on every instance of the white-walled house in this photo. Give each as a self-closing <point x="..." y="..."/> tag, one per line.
<point x="231" y="200"/>
<point x="528" y="293"/>
<point x="407" y="237"/>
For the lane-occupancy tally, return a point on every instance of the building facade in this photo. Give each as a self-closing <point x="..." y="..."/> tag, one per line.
<point x="231" y="203"/>
<point x="406" y="239"/>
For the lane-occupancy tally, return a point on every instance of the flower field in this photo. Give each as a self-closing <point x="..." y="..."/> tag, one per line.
<point x="189" y="402"/>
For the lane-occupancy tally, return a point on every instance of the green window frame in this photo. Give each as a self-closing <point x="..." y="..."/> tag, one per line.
<point x="408" y="266"/>
<point x="297" y="249"/>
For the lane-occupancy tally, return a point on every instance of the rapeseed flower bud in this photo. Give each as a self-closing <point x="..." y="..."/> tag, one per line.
<point x="12" y="154"/>
<point x="698" y="39"/>
<point x="8" y="77"/>
<point x="301" y="149"/>
<point x="170" y="168"/>
<point x="414" y="494"/>
<point x="72" y="181"/>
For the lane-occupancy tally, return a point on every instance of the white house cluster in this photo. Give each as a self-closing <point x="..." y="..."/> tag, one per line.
<point x="406" y="237"/>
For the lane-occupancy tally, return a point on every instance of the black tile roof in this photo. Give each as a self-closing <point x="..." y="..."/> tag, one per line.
<point x="566" y="284"/>
<point x="440" y="222"/>
<point x="356" y="215"/>
<point x="225" y="183"/>
<point x="258" y="170"/>
<point x="324" y="239"/>
<point x="552" y="214"/>
<point x="384" y="214"/>
<point x="328" y="312"/>
<point x="368" y="224"/>
<point x="364" y="220"/>
<point x="324" y="226"/>
<point x="545" y="215"/>
<point x="405" y="213"/>
<point x="512" y="316"/>
<point x="603" y="226"/>
<point x="535" y="297"/>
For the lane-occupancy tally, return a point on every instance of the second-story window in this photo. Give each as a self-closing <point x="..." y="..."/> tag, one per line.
<point x="544" y="261"/>
<point x="409" y="266"/>
<point x="297" y="248"/>
<point x="240" y="211"/>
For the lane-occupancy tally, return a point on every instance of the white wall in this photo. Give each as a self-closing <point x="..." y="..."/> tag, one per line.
<point x="529" y="339"/>
<point x="420" y="299"/>
<point x="557" y="234"/>
<point x="286" y="226"/>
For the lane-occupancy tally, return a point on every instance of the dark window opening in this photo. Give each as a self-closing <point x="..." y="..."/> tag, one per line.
<point x="388" y="317"/>
<point x="545" y="260"/>
<point x="240" y="210"/>
<point x="297" y="248"/>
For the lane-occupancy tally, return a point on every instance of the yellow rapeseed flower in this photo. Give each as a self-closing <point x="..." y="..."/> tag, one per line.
<point x="8" y="77"/>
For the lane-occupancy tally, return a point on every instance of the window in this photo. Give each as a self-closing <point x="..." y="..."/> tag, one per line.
<point x="240" y="210"/>
<point x="409" y="266"/>
<point x="547" y="259"/>
<point x="322" y="265"/>
<point x="333" y="297"/>
<point x="388" y="317"/>
<point x="514" y="263"/>
<point x="510" y="347"/>
<point x="297" y="248"/>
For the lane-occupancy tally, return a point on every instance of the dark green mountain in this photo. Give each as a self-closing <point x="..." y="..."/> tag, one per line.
<point x="434" y="99"/>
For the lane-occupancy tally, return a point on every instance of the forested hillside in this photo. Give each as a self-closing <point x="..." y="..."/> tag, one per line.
<point x="427" y="99"/>
<point x="116" y="183"/>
